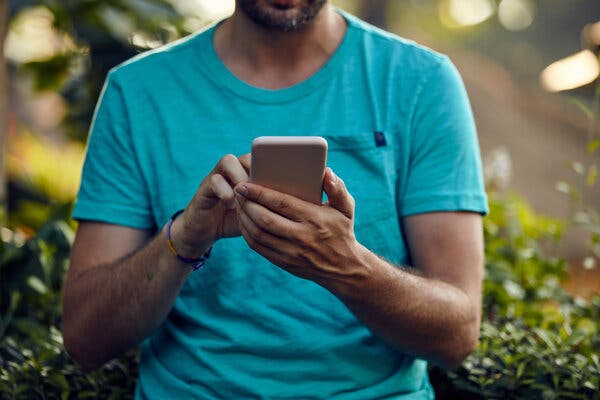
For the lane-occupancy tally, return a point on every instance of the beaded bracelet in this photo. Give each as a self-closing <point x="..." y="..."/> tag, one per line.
<point x="195" y="263"/>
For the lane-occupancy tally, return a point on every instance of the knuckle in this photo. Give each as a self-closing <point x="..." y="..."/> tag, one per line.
<point x="215" y="179"/>
<point x="283" y="203"/>
<point x="300" y="254"/>
<point x="227" y="159"/>
<point x="323" y="233"/>
<point x="352" y="204"/>
<point x="316" y="222"/>
<point x="251" y="242"/>
<point x="250" y="237"/>
<point x="253" y="231"/>
<point x="258" y="235"/>
<point x="266" y="220"/>
<point x="226" y="162"/>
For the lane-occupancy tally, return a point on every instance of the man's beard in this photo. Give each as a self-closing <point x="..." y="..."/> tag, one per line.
<point x="281" y="19"/>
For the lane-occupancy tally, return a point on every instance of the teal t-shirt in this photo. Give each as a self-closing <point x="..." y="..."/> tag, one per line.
<point x="401" y="135"/>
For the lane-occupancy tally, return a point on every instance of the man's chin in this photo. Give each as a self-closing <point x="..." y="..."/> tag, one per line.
<point x="281" y="15"/>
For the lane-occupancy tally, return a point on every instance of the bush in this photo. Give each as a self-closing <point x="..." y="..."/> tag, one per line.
<point x="33" y="362"/>
<point x="537" y="341"/>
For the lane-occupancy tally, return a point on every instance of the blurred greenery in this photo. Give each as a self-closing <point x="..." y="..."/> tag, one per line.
<point x="101" y="32"/>
<point x="537" y="341"/>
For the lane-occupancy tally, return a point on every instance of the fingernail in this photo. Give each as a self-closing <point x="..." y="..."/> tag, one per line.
<point x="241" y="190"/>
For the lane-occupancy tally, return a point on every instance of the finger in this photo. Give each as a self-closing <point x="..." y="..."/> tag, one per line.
<point x="267" y="220"/>
<point x="221" y="189"/>
<point x="245" y="161"/>
<point x="275" y="256"/>
<point x="337" y="194"/>
<point x="255" y="236"/>
<point x="283" y="204"/>
<point x="232" y="169"/>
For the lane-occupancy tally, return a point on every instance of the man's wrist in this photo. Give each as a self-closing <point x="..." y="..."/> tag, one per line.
<point x="356" y="271"/>
<point x="188" y="243"/>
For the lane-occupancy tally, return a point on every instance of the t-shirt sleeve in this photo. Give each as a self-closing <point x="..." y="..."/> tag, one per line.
<point x="112" y="186"/>
<point x="444" y="171"/>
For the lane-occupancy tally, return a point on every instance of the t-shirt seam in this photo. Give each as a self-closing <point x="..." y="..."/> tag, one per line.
<point x="115" y="210"/>
<point x="353" y="29"/>
<point x="449" y="201"/>
<point x="185" y="43"/>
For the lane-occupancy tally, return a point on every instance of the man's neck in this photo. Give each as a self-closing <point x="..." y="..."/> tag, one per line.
<point x="273" y="59"/>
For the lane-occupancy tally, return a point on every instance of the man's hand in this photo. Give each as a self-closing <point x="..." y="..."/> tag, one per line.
<point x="135" y="276"/>
<point x="307" y="240"/>
<point x="434" y="315"/>
<point x="211" y="214"/>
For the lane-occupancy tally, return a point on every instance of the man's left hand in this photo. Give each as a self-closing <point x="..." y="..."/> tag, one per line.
<point x="311" y="241"/>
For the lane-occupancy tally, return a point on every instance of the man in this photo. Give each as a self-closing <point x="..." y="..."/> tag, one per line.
<point x="347" y="300"/>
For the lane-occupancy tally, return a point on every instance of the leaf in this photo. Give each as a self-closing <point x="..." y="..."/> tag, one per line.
<point x="32" y="329"/>
<point x="60" y="381"/>
<point x="592" y="175"/>
<point x="586" y="109"/>
<point x="593" y="145"/>
<point x="590" y="385"/>
<point x="10" y="253"/>
<point x="563" y="187"/>
<point x="15" y="299"/>
<point x="37" y="285"/>
<point x="520" y="370"/>
<point x="589" y="263"/>
<point x="50" y="74"/>
<point x="581" y="217"/>
<point x="545" y="337"/>
<point x="577" y="167"/>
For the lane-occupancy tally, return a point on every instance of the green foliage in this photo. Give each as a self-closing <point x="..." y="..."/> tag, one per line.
<point x="537" y="341"/>
<point x="34" y="365"/>
<point x="32" y="273"/>
<point x="518" y="361"/>
<point x="101" y="33"/>
<point x="33" y="362"/>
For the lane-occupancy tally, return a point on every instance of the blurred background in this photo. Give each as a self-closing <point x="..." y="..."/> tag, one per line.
<point x="530" y="67"/>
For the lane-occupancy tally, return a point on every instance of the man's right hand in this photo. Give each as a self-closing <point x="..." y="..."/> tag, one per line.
<point x="133" y="277"/>
<point x="211" y="215"/>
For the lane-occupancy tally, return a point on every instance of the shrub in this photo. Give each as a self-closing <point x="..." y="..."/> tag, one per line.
<point x="33" y="362"/>
<point x="537" y="341"/>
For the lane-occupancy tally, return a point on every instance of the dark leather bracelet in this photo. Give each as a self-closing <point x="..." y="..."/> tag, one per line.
<point x="195" y="263"/>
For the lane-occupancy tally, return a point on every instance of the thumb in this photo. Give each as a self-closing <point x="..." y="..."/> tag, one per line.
<point x="337" y="194"/>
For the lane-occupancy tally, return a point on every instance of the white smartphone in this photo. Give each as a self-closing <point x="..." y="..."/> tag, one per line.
<point x="290" y="164"/>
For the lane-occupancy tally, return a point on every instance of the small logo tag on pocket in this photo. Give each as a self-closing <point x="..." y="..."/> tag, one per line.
<point x="380" y="139"/>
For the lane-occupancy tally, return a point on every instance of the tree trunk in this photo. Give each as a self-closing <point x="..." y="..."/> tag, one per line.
<point x="3" y="111"/>
<point x="374" y="11"/>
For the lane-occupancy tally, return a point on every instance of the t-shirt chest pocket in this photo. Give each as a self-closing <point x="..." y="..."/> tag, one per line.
<point x="365" y="162"/>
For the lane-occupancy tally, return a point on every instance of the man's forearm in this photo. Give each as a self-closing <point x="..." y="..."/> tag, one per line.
<point x="110" y="308"/>
<point x="426" y="318"/>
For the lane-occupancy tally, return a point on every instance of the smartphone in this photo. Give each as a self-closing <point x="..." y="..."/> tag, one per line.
<point x="290" y="164"/>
